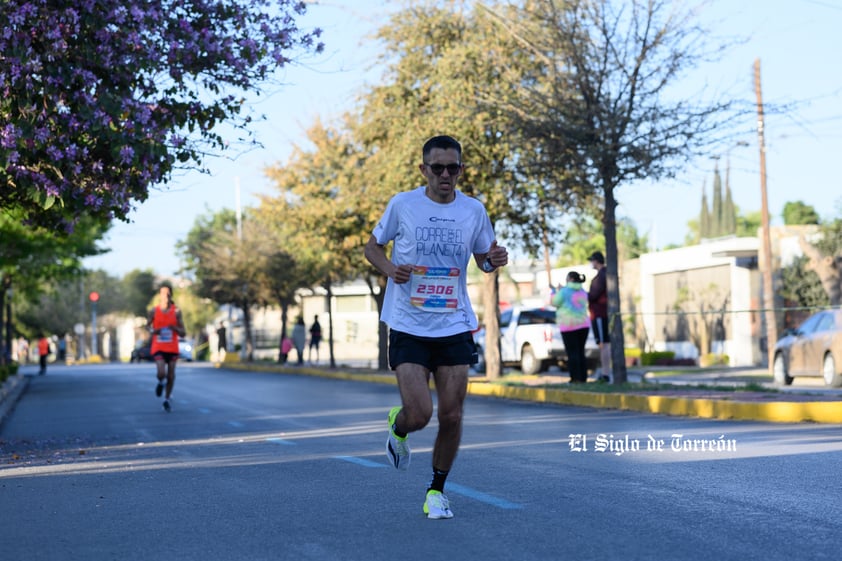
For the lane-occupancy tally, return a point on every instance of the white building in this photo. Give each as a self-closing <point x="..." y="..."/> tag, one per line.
<point x="717" y="282"/>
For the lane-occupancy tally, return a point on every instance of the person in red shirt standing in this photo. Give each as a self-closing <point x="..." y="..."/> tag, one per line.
<point x="43" y="353"/>
<point x="166" y="326"/>
<point x="598" y="306"/>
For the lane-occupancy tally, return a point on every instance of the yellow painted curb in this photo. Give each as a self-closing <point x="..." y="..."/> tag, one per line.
<point x="773" y="411"/>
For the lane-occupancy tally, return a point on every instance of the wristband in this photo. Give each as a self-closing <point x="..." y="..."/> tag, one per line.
<point x="487" y="265"/>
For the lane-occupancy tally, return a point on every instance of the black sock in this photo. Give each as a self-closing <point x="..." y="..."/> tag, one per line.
<point x="397" y="432"/>
<point x="437" y="484"/>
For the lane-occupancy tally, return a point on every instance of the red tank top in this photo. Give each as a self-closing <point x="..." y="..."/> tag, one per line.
<point x="166" y="341"/>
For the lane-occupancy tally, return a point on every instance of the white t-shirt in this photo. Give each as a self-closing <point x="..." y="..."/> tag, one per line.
<point x="439" y="239"/>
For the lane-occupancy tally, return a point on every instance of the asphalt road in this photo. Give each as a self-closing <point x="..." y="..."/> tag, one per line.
<point x="253" y="466"/>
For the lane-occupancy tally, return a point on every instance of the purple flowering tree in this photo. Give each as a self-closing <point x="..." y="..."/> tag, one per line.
<point x="102" y="99"/>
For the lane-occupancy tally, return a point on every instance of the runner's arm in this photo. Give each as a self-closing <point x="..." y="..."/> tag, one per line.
<point x="179" y="326"/>
<point x="376" y="255"/>
<point x="496" y="257"/>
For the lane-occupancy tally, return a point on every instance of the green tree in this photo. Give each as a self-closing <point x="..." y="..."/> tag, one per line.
<point x="33" y="259"/>
<point x="748" y="224"/>
<point x="326" y="210"/>
<point x="448" y="69"/>
<point x="721" y="220"/>
<point x="32" y="254"/>
<point x="54" y="310"/>
<point x="59" y="304"/>
<point x="829" y="260"/>
<point x="284" y="276"/>
<point x="704" y="216"/>
<point x="801" y="286"/>
<point x="729" y="210"/>
<point x="138" y="287"/>
<point x="745" y="226"/>
<point x="797" y="212"/>
<point x="586" y="236"/>
<point x="716" y="210"/>
<point x="616" y="62"/>
<point x="227" y="261"/>
<point x="830" y="243"/>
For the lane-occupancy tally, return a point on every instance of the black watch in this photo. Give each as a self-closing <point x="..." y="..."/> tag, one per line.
<point x="487" y="266"/>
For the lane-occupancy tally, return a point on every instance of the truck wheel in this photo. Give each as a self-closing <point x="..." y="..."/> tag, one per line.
<point x="479" y="367"/>
<point x="528" y="363"/>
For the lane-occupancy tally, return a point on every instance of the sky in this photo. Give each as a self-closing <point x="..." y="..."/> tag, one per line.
<point x="798" y="43"/>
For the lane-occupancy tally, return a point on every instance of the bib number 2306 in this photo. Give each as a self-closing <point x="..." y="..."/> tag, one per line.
<point x="434" y="289"/>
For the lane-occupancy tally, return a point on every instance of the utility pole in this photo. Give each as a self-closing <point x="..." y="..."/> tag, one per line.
<point x="766" y="264"/>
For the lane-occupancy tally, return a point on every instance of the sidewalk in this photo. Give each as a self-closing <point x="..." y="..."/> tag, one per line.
<point x="10" y="391"/>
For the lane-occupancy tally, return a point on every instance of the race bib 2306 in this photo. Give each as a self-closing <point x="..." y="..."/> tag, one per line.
<point x="435" y="289"/>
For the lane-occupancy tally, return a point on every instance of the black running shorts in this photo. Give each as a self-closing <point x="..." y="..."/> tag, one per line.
<point x="431" y="352"/>
<point x="166" y="357"/>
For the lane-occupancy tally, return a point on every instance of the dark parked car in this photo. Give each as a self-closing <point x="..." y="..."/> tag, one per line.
<point x="141" y="352"/>
<point x="814" y="348"/>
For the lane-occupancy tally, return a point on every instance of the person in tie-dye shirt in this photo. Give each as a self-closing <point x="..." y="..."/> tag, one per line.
<point x="571" y="303"/>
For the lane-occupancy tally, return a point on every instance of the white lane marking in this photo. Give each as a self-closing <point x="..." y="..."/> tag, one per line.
<point x="480" y="496"/>
<point x="360" y="461"/>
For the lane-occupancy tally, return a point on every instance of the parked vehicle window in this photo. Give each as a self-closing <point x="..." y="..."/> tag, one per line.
<point x="532" y="317"/>
<point x="810" y="324"/>
<point x="826" y="323"/>
<point x="505" y="318"/>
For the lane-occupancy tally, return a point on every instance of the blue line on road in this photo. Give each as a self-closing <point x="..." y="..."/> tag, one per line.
<point x="236" y="424"/>
<point x="360" y="461"/>
<point x="480" y="496"/>
<point x="281" y="441"/>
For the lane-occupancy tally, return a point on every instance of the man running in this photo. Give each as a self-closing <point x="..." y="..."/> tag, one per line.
<point x="435" y="230"/>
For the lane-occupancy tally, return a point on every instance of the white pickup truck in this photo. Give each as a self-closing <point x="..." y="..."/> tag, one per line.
<point x="530" y="340"/>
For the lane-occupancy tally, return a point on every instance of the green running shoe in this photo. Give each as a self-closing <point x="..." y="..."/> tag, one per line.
<point x="436" y="506"/>
<point x="397" y="448"/>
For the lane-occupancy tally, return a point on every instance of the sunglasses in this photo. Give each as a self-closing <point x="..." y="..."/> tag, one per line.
<point x="438" y="169"/>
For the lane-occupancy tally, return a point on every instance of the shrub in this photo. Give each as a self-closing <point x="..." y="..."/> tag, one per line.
<point x="7" y="370"/>
<point x="712" y="359"/>
<point x="656" y="358"/>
